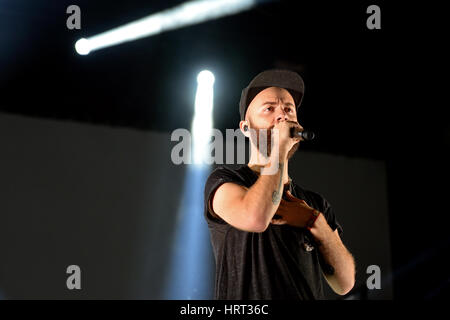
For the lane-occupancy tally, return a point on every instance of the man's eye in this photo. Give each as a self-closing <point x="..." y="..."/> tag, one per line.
<point x="268" y="109"/>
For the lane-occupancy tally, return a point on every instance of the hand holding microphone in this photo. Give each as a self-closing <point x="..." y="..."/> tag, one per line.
<point x="298" y="131"/>
<point x="288" y="134"/>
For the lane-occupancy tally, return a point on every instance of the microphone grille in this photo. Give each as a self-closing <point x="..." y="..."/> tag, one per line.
<point x="308" y="135"/>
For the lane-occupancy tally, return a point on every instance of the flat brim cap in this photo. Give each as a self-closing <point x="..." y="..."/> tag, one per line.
<point x="289" y="80"/>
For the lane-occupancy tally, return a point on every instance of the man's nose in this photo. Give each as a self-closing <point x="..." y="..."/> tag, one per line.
<point x="281" y="115"/>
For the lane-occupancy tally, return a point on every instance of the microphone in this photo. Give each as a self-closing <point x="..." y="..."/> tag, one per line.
<point x="306" y="135"/>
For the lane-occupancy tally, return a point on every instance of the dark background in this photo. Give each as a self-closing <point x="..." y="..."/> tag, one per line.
<point x="111" y="201"/>
<point x="374" y="94"/>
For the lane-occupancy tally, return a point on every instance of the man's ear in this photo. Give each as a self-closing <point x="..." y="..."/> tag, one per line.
<point x="243" y="125"/>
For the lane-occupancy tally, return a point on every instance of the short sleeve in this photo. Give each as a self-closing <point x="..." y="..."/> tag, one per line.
<point x="328" y="212"/>
<point x="218" y="177"/>
<point x="330" y="216"/>
<point x="318" y="202"/>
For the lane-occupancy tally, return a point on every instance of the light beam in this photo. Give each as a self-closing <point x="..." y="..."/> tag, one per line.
<point x="185" y="14"/>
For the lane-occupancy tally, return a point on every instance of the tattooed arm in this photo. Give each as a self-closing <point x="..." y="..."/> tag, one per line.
<point x="252" y="209"/>
<point x="249" y="209"/>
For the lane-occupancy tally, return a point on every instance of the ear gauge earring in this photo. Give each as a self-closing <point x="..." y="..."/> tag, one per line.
<point x="245" y="128"/>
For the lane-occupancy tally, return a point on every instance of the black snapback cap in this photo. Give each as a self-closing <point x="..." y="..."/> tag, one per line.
<point x="289" y="80"/>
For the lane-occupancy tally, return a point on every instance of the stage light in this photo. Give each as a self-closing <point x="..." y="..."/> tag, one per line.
<point x="202" y="122"/>
<point x="185" y="14"/>
<point x="191" y="271"/>
<point x="82" y="46"/>
<point x="205" y="77"/>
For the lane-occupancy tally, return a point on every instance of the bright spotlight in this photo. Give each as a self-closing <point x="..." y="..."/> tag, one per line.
<point x="185" y="14"/>
<point x="205" y="77"/>
<point x="82" y="46"/>
<point x="202" y="122"/>
<point x="189" y="276"/>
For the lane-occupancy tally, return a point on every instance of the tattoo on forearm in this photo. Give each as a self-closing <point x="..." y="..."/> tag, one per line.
<point x="276" y="195"/>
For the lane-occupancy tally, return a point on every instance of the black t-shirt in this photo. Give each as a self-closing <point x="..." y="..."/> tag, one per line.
<point x="283" y="262"/>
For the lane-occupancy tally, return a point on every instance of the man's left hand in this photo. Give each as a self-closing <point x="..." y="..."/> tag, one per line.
<point x="294" y="212"/>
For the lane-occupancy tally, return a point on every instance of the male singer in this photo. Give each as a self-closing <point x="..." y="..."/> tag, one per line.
<point x="273" y="239"/>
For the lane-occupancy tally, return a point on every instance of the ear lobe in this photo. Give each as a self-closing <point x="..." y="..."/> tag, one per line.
<point x="244" y="128"/>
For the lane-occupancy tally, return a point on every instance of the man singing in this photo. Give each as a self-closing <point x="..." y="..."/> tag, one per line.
<point x="273" y="239"/>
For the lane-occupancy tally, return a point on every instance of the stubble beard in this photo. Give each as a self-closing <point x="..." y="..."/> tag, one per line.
<point x="269" y="144"/>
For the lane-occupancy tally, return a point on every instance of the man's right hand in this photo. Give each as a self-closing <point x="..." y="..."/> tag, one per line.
<point x="282" y="140"/>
